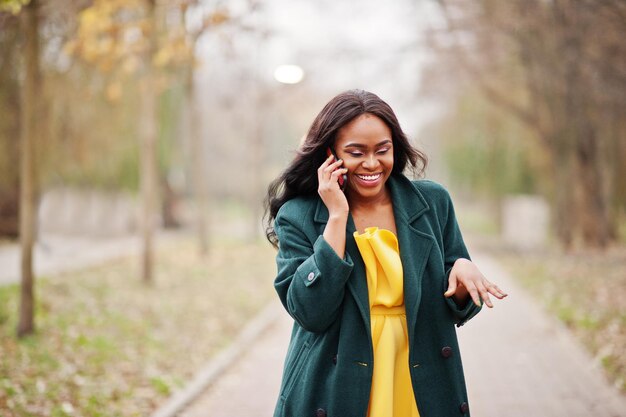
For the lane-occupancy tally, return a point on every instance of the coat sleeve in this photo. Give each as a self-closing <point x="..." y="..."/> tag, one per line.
<point x="454" y="248"/>
<point x="311" y="276"/>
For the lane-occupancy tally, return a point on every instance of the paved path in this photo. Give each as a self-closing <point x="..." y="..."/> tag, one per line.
<point x="518" y="361"/>
<point x="250" y="388"/>
<point x="55" y="253"/>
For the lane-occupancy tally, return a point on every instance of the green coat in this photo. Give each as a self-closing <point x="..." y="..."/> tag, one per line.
<point x="328" y="368"/>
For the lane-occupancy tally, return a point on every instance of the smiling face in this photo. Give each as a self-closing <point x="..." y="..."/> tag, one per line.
<point x="366" y="147"/>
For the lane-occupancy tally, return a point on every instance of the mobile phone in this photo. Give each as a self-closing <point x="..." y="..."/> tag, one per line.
<point x="342" y="179"/>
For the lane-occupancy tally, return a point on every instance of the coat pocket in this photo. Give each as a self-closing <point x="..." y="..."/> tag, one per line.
<point x="297" y="364"/>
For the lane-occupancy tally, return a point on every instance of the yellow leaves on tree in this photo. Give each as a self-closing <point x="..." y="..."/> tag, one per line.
<point x="175" y="52"/>
<point x="12" y="6"/>
<point x="108" y="31"/>
<point x="113" y="35"/>
<point x="218" y="17"/>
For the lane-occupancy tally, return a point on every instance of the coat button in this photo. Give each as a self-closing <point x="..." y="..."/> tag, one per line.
<point x="464" y="408"/>
<point x="446" y="352"/>
<point x="334" y="359"/>
<point x="320" y="412"/>
<point x="310" y="276"/>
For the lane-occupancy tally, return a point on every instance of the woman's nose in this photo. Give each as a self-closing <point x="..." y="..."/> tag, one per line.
<point x="371" y="162"/>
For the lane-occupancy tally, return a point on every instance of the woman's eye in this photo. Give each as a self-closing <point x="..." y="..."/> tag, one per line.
<point x="358" y="154"/>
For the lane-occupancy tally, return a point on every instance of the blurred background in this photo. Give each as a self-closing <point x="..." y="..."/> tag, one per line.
<point x="138" y="137"/>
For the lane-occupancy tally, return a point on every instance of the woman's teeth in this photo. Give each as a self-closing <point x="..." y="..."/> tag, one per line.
<point x="369" y="177"/>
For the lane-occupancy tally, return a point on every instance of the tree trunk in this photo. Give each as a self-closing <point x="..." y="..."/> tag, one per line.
<point x="148" y="158"/>
<point x="256" y="177"/>
<point x="31" y="91"/>
<point x="592" y="209"/>
<point x="562" y="208"/>
<point x="617" y="171"/>
<point x="198" y="169"/>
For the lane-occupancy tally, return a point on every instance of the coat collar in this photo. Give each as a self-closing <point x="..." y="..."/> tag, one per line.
<point x="415" y="244"/>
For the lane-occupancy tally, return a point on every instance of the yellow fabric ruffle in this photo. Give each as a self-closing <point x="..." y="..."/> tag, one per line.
<point x="392" y="391"/>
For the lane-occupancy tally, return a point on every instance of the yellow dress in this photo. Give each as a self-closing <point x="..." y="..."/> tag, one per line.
<point x="392" y="392"/>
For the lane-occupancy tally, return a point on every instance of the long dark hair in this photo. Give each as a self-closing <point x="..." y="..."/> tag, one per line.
<point x="300" y="177"/>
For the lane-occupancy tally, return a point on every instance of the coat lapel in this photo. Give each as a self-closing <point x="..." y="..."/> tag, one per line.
<point x="357" y="284"/>
<point x="415" y="246"/>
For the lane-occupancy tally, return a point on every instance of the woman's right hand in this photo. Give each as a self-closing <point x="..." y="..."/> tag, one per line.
<point x="330" y="192"/>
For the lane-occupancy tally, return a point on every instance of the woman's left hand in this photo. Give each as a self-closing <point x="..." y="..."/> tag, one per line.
<point x="465" y="278"/>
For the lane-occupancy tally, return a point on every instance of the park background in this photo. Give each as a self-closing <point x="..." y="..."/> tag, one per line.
<point x="138" y="137"/>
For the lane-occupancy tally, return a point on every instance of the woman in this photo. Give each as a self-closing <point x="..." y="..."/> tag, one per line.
<point x="374" y="276"/>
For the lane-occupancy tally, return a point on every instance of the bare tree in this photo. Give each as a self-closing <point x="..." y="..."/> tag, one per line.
<point x="555" y="66"/>
<point x="148" y="157"/>
<point x="29" y="138"/>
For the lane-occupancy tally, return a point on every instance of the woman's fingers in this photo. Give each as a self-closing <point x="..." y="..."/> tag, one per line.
<point x="333" y="166"/>
<point x="484" y="294"/>
<point x="479" y="288"/>
<point x="326" y="162"/>
<point x="336" y="173"/>
<point x="501" y="294"/>
<point x="451" y="286"/>
<point x="328" y="186"/>
<point x="471" y="288"/>
<point x="493" y="289"/>
<point x="328" y="175"/>
<point x="328" y="167"/>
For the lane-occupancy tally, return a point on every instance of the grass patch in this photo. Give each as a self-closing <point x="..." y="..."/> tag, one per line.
<point x="586" y="290"/>
<point x="106" y="345"/>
